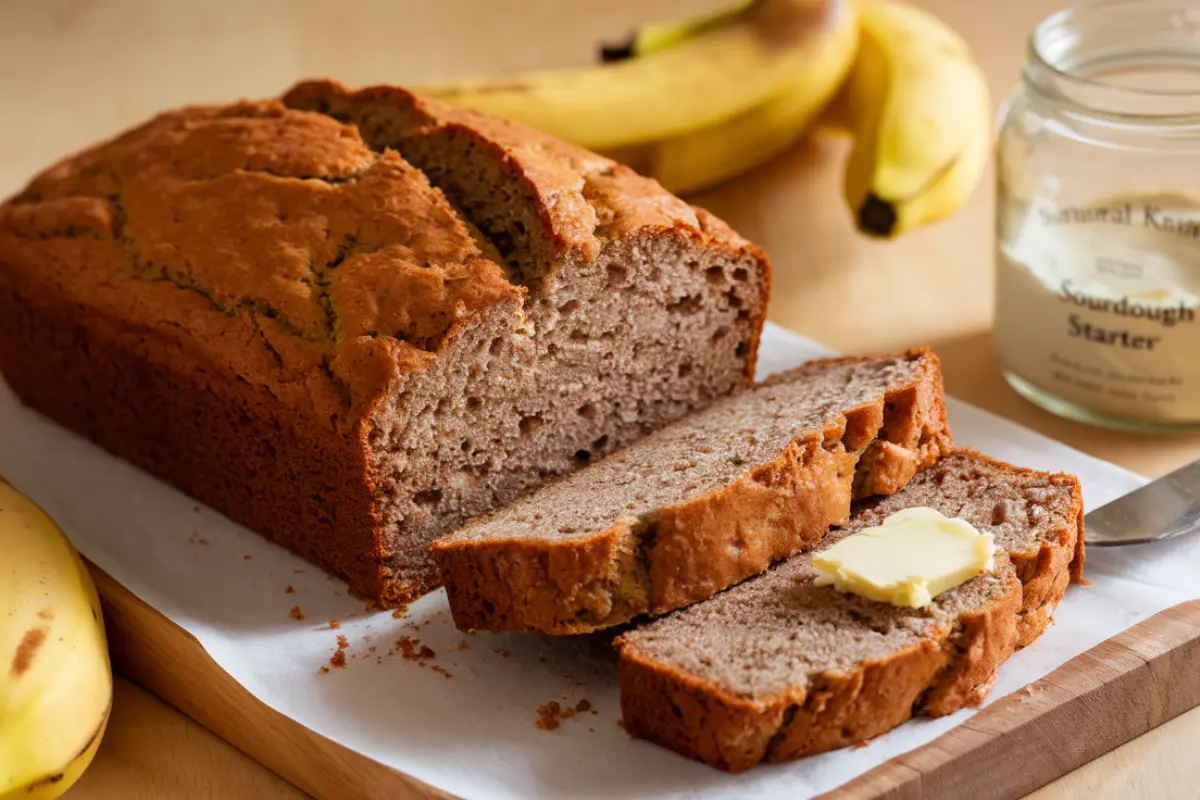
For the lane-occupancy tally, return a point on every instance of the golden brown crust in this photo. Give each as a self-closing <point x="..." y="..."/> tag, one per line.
<point x="943" y="673"/>
<point x="714" y="541"/>
<point x="583" y="201"/>
<point x="225" y="296"/>
<point x="1047" y="569"/>
<point x="223" y="442"/>
<point x="688" y="551"/>
<point x="915" y="433"/>
<point x="261" y="241"/>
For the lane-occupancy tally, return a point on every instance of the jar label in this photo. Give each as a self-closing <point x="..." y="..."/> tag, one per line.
<point x="1099" y="304"/>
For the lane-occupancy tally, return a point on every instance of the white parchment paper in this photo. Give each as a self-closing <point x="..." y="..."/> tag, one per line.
<point x="473" y="734"/>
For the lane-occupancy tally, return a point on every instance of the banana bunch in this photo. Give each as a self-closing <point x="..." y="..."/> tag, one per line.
<point x="55" y="680"/>
<point x="697" y="102"/>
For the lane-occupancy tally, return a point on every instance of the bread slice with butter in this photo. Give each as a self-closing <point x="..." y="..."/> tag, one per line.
<point x="779" y="667"/>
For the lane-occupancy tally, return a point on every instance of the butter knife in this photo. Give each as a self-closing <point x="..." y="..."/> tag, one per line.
<point x="1169" y="506"/>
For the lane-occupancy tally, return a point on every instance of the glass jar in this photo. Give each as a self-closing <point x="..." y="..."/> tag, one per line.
<point x="1098" y="217"/>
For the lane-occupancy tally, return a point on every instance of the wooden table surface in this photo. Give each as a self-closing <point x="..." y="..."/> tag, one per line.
<point x="75" y="71"/>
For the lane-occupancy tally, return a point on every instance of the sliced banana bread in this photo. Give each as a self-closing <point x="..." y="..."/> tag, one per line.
<point x="703" y="503"/>
<point x="301" y="331"/>
<point x="640" y="315"/>
<point x="777" y="668"/>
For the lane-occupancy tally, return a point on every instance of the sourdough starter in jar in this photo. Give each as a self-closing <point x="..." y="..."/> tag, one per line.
<point x="1100" y="306"/>
<point x="1098" y="217"/>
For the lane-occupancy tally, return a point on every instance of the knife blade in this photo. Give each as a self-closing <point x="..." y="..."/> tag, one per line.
<point x="1169" y="506"/>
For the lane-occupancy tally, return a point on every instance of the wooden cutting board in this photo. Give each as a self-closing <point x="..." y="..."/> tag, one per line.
<point x="1102" y="699"/>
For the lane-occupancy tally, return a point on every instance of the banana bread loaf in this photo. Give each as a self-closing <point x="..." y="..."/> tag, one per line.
<point x="778" y="668"/>
<point x="299" y="329"/>
<point x="703" y="503"/>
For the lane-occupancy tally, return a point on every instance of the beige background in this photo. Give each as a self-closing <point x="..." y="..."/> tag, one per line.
<point x="77" y="70"/>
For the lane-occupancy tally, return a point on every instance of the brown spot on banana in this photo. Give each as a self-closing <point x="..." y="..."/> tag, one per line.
<point x="31" y="642"/>
<point x="45" y="613"/>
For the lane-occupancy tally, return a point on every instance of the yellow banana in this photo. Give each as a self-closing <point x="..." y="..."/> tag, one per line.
<point x="707" y="156"/>
<point x="55" y="679"/>
<point x="704" y="80"/>
<point x="918" y="107"/>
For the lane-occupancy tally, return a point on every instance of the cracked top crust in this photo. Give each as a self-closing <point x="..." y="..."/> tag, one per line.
<point x="261" y="240"/>
<point x="584" y="200"/>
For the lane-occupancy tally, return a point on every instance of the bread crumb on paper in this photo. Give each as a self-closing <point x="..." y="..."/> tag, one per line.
<point x="462" y="645"/>
<point x="548" y="715"/>
<point x="289" y="589"/>
<point x="338" y="659"/>
<point x="296" y="613"/>
<point x="246" y="557"/>
<point x="333" y="623"/>
<point x="551" y="714"/>
<point x="413" y="650"/>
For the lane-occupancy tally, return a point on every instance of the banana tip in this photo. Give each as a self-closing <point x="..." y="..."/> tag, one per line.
<point x="877" y="216"/>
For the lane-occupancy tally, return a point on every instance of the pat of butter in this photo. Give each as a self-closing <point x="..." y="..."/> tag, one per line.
<point x="915" y="555"/>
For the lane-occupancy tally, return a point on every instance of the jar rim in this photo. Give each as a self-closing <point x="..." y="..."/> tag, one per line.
<point x="1058" y="48"/>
